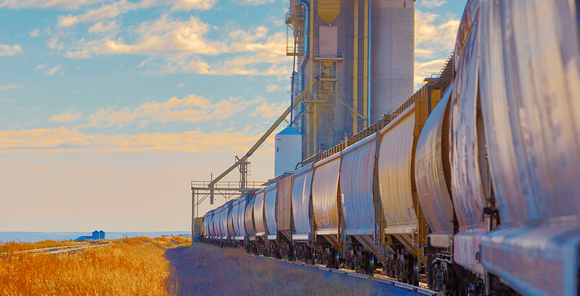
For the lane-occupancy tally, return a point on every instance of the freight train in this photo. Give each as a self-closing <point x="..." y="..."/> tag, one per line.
<point x="473" y="182"/>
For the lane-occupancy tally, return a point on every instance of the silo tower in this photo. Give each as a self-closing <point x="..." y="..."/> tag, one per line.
<point x="354" y="63"/>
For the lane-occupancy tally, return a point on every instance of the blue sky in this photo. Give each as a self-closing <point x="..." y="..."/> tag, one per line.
<point x="109" y="108"/>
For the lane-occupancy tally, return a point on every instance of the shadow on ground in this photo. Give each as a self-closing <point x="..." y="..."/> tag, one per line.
<point x="209" y="270"/>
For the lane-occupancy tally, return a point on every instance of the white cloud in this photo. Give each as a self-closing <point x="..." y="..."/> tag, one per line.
<point x="254" y="2"/>
<point x="50" y="71"/>
<point x="272" y="88"/>
<point x="112" y="10"/>
<point x="267" y="110"/>
<point x="69" y="115"/>
<point x="424" y="70"/>
<point x="34" y="33"/>
<point x="7" y="50"/>
<point x="431" y="38"/>
<point x="180" y="85"/>
<point x="182" y="43"/>
<point x="13" y="86"/>
<point x="433" y="3"/>
<point x="100" y="28"/>
<point x="63" y="4"/>
<point x="106" y="11"/>
<point x="64" y="140"/>
<point x="191" y="109"/>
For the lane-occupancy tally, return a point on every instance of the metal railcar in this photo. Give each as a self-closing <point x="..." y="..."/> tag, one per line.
<point x="474" y="180"/>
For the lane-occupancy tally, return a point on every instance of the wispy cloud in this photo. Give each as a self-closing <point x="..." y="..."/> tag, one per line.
<point x="62" y="4"/>
<point x="7" y="50"/>
<point x="69" y="115"/>
<point x="191" y="109"/>
<point x="254" y="2"/>
<point x="433" y="3"/>
<point x="272" y="88"/>
<point x="100" y="28"/>
<point x="431" y="38"/>
<point x="34" y="33"/>
<point x="267" y="110"/>
<point x="64" y="140"/>
<point x="180" y="85"/>
<point x="106" y="11"/>
<point x="112" y="10"/>
<point x="424" y="70"/>
<point x="13" y="86"/>
<point x="176" y="45"/>
<point x="434" y="41"/>
<point x="50" y="71"/>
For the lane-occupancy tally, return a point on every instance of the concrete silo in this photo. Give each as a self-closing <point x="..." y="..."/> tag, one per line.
<point x="354" y="63"/>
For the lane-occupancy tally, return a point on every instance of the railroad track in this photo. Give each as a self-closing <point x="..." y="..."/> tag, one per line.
<point x="376" y="279"/>
<point x="60" y="250"/>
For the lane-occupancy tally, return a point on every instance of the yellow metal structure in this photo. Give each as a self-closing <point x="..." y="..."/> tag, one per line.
<point x="311" y="108"/>
<point x="355" y="72"/>
<point x="328" y="10"/>
<point x="366" y="64"/>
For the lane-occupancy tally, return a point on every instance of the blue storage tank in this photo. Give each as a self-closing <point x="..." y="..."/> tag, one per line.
<point x="95" y="234"/>
<point x="101" y="234"/>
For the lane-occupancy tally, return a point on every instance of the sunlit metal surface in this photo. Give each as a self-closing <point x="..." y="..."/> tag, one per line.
<point x="212" y="224"/>
<point x="217" y="222"/>
<point x="224" y="222"/>
<point x="231" y="226"/>
<point x="530" y="88"/>
<point x="325" y="201"/>
<point x="241" y="233"/>
<point x="284" y="208"/>
<point x="535" y="152"/>
<point x="208" y="229"/>
<point x="234" y="213"/>
<point x="430" y="177"/>
<point x="466" y="181"/>
<point x="301" y="191"/>
<point x="356" y="186"/>
<point x="270" y="210"/>
<point x="395" y="171"/>
<point x="249" y="219"/>
<point x="259" y="221"/>
<point x="470" y="15"/>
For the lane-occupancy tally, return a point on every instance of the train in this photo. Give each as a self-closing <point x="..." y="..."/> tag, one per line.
<point x="472" y="186"/>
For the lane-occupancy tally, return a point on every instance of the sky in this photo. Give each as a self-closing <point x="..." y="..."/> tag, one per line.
<point x="110" y="108"/>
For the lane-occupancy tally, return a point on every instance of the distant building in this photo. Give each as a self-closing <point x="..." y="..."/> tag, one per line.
<point x="95" y="235"/>
<point x="83" y="238"/>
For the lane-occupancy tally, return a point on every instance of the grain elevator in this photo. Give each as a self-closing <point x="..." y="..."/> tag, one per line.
<point x="353" y="63"/>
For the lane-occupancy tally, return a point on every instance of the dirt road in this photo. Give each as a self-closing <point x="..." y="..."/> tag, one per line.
<point x="209" y="270"/>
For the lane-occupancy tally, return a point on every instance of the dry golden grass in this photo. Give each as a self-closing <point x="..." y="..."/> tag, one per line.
<point x="19" y="246"/>
<point x="130" y="266"/>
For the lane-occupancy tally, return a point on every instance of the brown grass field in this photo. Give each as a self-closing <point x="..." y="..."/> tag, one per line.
<point x="131" y="266"/>
<point x="18" y="246"/>
<point x="164" y="266"/>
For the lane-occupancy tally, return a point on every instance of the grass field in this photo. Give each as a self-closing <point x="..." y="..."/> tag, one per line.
<point x="131" y="266"/>
<point x="164" y="266"/>
<point x="18" y="246"/>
